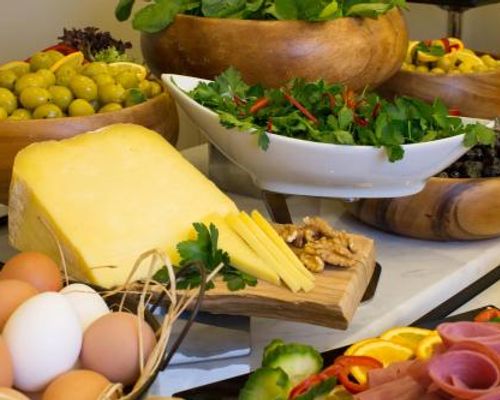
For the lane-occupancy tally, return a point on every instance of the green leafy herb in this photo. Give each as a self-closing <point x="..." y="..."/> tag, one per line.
<point x="496" y="319"/>
<point x="320" y="112"/>
<point x="205" y="249"/>
<point x="161" y="13"/>
<point x="321" y="389"/>
<point x="433" y="49"/>
<point x="111" y="55"/>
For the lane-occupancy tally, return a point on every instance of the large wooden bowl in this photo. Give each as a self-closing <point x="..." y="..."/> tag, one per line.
<point x="475" y="94"/>
<point x="355" y="51"/>
<point x="159" y="114"/>
<point x="447" y="209"/>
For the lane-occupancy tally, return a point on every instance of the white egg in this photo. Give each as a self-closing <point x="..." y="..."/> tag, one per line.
<point x="88" y="304"/>
<point x="44" y="338"/>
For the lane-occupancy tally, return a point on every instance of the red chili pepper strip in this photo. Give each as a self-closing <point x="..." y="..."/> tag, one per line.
<point x="446" y="44"/>
<point x="238" y="101"/>
<point x="62" y="48"/>
<point x="331" y="99"/>
<point x="349" y="99"/>
<point x="270" y="124"/>
<point x="455" y="112"/>
<point x="259" y="104"/>
<point x="347" y="362"/>
<point x="304" y="386"/>
<point x="301" y="108"/>
<point x="376" y="109"/>
<point x="360" y="121"/>
<point x="487" y="315"/>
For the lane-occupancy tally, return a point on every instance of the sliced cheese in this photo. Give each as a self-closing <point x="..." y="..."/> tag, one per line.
<point x="242" y="256"/>
<point x="280" y="243"/>
<point x="287" y="268"/>
<point x="247" y="235"/>
<point x="108" y="196"/>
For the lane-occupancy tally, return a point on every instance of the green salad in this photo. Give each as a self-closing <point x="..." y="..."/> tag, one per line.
<point x="332" y="113"/>
<point x="159" y="14"/>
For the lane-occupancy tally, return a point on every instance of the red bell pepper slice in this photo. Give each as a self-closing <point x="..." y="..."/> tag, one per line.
<point x="487" y="315"/>
<point x="347" y="362"/>
<point x="304" y="386"/>
<point x="259" y="104"/>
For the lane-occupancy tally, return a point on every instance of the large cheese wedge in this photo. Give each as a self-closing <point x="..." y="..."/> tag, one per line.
<point x="242" y="256"/>
<point x="108" y="196"/>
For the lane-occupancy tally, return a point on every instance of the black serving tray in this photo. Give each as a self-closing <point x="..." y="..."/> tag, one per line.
<point x="228" y="389"/>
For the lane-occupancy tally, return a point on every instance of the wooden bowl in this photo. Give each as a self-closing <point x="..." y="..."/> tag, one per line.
<point x="475" y="94"/>
<point x="358" y="52"/>
<point x="159" y="114"/>
<point x="447" y="209"/>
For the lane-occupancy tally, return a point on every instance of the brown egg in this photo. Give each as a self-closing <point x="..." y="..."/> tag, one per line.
<point x="12" y="394"/>
<point x="111" y="346"/>
<point x="6" y="370"/>
<point x="35" y="268"/>
<point x="13" y="294"/>
<point x="76" y="385"/>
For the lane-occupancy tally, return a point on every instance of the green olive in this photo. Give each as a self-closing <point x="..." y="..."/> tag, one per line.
<point x="103" y="79"/>
<point x="33" y="97"/>
<point x="64" y="75"/>
<point x="110" y="107"/>
<point x="95" y="68"/>
<point x="127" y="79"/>
<point x="134" y="96"/>
<point x="40" y="60"/>
<point x="20" y="68"/>
<point x="111" y="93"/>
<point x="48" y="77"/>
<point x="3" y="114"/>
<point x="7" y="100"/>
<point x="55" y="56"/>
<point x="83" y="87"/>
<point x="46" y="111"/>
<point x="61" y="96"/>
<point x="20" y="114"/>
<point x="7" y="79"/>
<point x="154" y="89"/>
<point x="80" y="107"/>
<point x="29" y="80"/>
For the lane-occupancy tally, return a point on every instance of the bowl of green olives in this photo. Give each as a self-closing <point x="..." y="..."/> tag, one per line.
<point x="55" y="96"/>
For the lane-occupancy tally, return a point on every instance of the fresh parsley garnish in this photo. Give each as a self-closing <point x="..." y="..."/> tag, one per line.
<point x="431" y="49"/>
<point x="321" y="112"/>
<point x="161" y="13"/>
<point x="205" y="249"/>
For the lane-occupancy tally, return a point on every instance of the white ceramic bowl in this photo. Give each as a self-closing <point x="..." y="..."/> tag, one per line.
<point x="301" y="167"/>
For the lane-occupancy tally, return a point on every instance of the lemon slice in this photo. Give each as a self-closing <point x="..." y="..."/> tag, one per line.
<point x="382" y="350"/>
<point x="409" y="53"/>
<point x="18" y="67"/>
<point x="468" y="58"/>
<point x="427" y="346"/>
<point x="407" y="336"/>
<point x="75" y="60"/>
<point x="123" y="66"/>
<point x="456" y="42"/>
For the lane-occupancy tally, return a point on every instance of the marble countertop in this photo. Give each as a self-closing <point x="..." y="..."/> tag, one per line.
<point x="416" y="276"/>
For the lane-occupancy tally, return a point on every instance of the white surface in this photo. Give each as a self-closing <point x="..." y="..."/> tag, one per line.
<point x="319" y="169"/>
<point x="416" y="276"/>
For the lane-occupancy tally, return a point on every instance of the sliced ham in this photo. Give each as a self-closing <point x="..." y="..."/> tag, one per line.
<point x="405" y="388"/>
<point x="468" y="370"/>
<point x="486" y="333"/>
<point x="493" y="395"/>
<point x="379" y="376"/>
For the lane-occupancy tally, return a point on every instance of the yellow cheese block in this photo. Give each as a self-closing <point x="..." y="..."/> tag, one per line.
<point x="242" y="256"/>
<point x="108" y="196"/>
<point x="287" y="271"/>
<point x="280" y="243"/>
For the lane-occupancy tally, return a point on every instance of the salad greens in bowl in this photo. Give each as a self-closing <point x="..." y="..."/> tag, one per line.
<point x="326" y="140"/>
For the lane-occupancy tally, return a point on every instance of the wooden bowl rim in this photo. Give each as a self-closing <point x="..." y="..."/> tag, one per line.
<point x="136" y="108"/>
<point x="194" y="19"/>
<point x="449" y="77"/>
<point x="462" y="180"/>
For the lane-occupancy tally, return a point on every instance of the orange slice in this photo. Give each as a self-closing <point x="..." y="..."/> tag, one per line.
<point x="384" y="351"/>
<point x="427" y="346"/>
<point x="407" y="336"/>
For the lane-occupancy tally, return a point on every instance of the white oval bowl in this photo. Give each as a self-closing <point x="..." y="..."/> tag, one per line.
<point x="302" y="167"/>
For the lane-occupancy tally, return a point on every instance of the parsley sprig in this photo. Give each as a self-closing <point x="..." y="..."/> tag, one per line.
<point x="205" y="249"/>
<point x="320" y="112"/>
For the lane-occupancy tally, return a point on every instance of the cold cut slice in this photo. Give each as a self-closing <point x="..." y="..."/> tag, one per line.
<point x="487" y="333"/>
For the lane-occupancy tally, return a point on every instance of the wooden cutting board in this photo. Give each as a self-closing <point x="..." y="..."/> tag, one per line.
<point x="332" y="302"/>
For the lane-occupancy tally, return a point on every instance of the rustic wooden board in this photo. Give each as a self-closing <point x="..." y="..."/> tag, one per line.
<point x="332" y="302"/>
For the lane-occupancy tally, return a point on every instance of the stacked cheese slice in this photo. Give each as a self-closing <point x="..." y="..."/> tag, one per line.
<point x="108" y="196"/>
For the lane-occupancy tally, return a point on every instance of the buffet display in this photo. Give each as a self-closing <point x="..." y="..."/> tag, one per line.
<point x="111" y="221"/>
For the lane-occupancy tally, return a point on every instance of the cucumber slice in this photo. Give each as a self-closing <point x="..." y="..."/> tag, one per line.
<point x="266" y="384"/>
